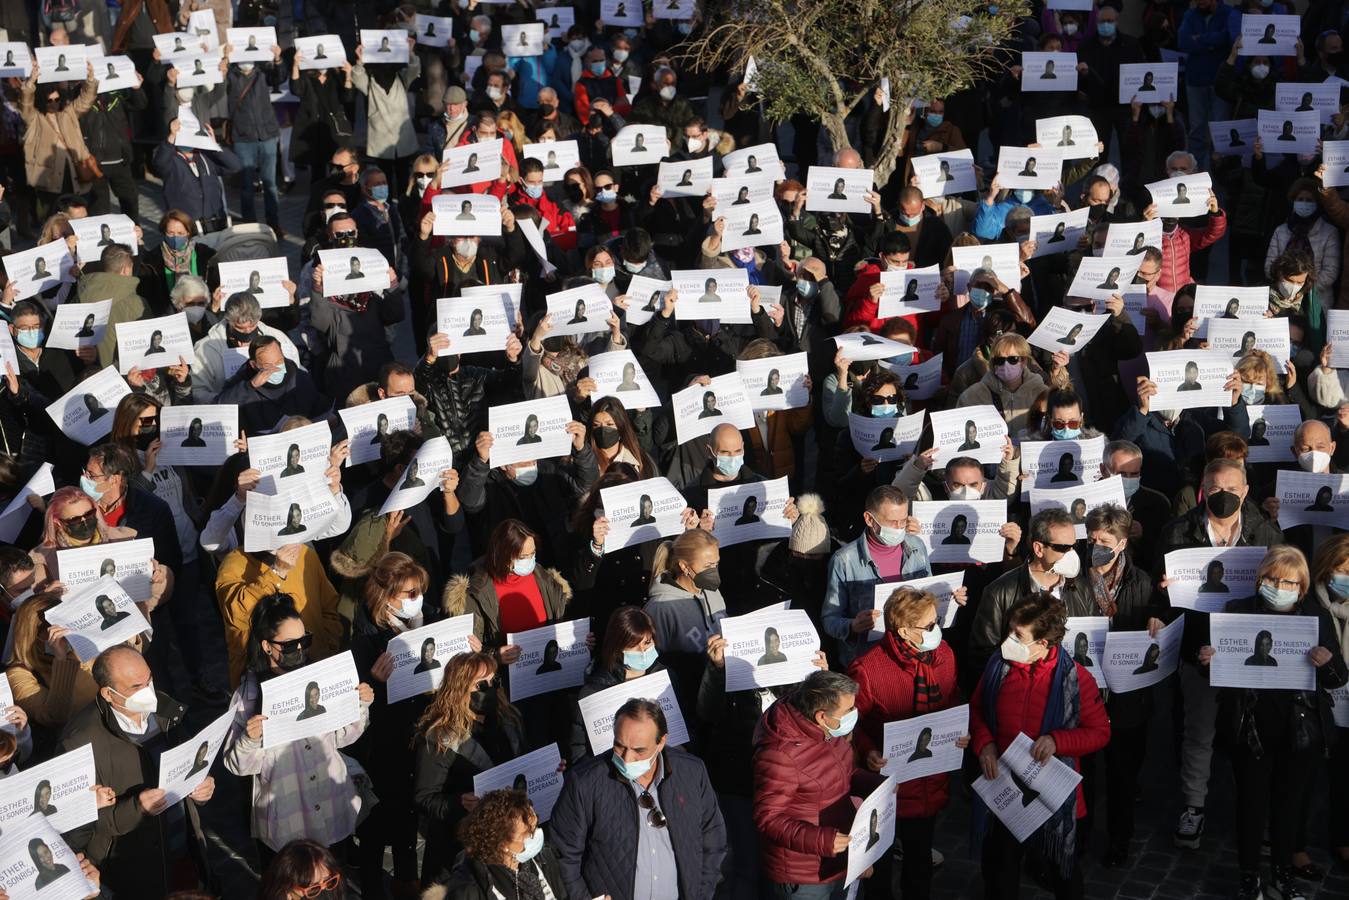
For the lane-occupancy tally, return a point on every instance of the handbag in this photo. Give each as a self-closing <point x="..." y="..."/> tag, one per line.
<point x="88" y="169"/>
<point x="225" y="136"/>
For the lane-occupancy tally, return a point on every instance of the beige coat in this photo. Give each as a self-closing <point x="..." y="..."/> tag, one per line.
<point x="45" y="160"/>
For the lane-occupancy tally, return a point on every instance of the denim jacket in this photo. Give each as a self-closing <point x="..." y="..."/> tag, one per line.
<point x="851" y="589"/>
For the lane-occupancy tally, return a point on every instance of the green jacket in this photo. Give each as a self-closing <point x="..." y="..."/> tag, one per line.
<point x="127" y="306"/>
<point x="650" y="111"/>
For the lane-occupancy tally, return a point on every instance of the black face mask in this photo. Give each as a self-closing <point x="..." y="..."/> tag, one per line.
<point x="337" y="172"/>
<point x="81" y="530"/>
<point x="238" y="338"/>
<point x="146" y="437"/>
<point x="1222" y="504"/>
<point x="547" y="109"/>
<point x="606" y="437"/>
<point x="574" y="192"/>
<point x="290" y="660"/>
<point x="707" y="579"/>
<point x="448" y="364"/>
<point x="483" y="703"/>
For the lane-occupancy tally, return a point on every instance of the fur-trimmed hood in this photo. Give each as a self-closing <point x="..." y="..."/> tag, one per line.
<point x="369" y="393"/>
<point x="454" y="599"/>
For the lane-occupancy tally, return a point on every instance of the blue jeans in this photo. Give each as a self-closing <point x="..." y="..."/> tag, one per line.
<point x="259" y="160"/>
<point x="1204" y="106"/>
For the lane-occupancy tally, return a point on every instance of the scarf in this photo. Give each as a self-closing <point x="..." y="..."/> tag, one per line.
<point x="1339" y="616"/>
<point x="577" y="63"/>
<point x="927" y="695"/>
<point x="1299" y="231"/>
<point x="1056" y="839"/>
<point x="523" y="883"/>
<point x="179" y="262"/>
<point x="1105" y="588"/>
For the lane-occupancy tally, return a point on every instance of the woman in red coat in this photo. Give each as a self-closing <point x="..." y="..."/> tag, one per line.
<point x="911" y="672"/>
<point x="1032" y="686"/>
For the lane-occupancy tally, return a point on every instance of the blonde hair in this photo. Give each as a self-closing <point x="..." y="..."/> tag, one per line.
<point x="423" y="159"/>
<point x="684" y="548"/>
<point x="28" y="625"/>
<point x="1284" y="561"/>
<point x="905" y="606"/>
<point x="1260" y="363"/>
<point x="1009" y="344"/>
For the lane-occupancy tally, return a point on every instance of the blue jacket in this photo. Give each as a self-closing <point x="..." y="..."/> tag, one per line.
<point x="1166" y="455"/>
<point x="1207" y="41"/>
<point x="200" y="195"/>
<point x="990" y="220"/>
<point x="594" y="828"/>
<point x="851" y="588"/>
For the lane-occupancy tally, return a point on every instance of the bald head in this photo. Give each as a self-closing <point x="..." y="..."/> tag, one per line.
<point x="815" y="266"/>
<point x="726" y="441"/>
<point x="848" y="159"/>
<point x="120" y="672"/>
<point x="1313" y="446"/>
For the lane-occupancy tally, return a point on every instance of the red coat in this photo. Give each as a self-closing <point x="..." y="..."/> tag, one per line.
<point x="860" y="308"/>
<point x="1021" y="708"/>
<point x="1179" y="244"/>
<point x="803" y="785"/>
<point x="885" y="694"/>
<point x="559" y="224"/>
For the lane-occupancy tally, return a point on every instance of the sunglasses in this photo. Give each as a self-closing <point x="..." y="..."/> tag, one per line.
<point x="1067" y="423"/>
<point x="487" y="683"/>
<point x="147" y="420"/>
<point x="1062" y="548"/>
<point x="1005" y="360"/>
<point x="334" y="206"/>
<point x="654" y="817"/>
<point x="85" y="519"/>
<point x="300" y="643"/>
<point x="311" y="891"/>
<point x="342" y="235"/>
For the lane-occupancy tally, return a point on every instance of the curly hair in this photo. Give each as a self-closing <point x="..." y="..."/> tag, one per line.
<point x="486" y="831"/>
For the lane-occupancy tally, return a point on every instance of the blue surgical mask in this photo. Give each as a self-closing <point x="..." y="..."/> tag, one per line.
<point x="277" y="377"/>
<point x="176" y="241"/>
<point x="1339" y="585"/>
<point x="1131" y="486"/>
<point x="931" y="639"/>
<point x="89" y="487"/>
<point x="1065" y="434"/>
<point x="525" y="476"/>
<point x="523" y="566"/>
<point x="608" y="196"/>
<point x="730" y="465"/>
<point x="1304" y="208"/>
<point x="632" y="770"/>
<point x="603" y="274"/>
<point x="1105" y="29"/>
<point x="639" y="660"/>
<point x="379" y="192"/>
<point x="1023" y="195"/>
<point x="1278" y="598"/>
<point x="934" y="119"/>
<point x="1252" y="394"/>
<point x="805" y="288"/>
<point x="533" y="844"/>
<point x="30" y="337"/>
<point x="884" y="410"/>
<point x="979" y="298"/>
<point x="597" y="68"/>
<point x="910" y="221"/>
<point x="845" y="724"/>
<point x="534" y="191"/>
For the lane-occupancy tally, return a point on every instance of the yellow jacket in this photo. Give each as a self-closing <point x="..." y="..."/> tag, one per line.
<point x="244" y="580"/>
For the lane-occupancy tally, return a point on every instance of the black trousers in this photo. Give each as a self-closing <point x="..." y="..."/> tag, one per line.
<point x="1123" y="761"/>
<point x="1273" y="790"/>
<point x="1001" y="860"/>
<point x="915" y="872"/>
<point x="119" y="182"/>
<point x="1339" y="791"/>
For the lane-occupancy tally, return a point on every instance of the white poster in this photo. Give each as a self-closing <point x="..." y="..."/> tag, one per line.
<point x="84" y="413"/>
<point x="1234" y="137"/>
<point x="1038" y="168"/>
<point x="354" y="270"/>
<point x="419" y="656"/>
<point x="977" y="431"/>
<point x="1148" y="81"/>
<point x="18" y="511"/>
<point x="62" y="789"/>
<point x="1269" y="35"/>
<point x="154" y="343"/>
<point x="641" y="511"/>
<point x="830" y="189"/>
<point x="639" y="145"/>
<point x="1323" y="97"/>
<point x="621" y="13"/>
<point x="1102" y="277"/>
<point x="16" y="60"/>
<point x="1084" y="641"/>
<point x="1337" y="335"/>
<point x="471" y="163"/>
<point x="909" y="291"/>
<point x="942" y="587"/>
<point x="885" y="438"/>
<point x="1132" y="238"/>
<point x="253" y="44"/>
<point x="389" y="46"/>
<point x="1306" y="498"/>
<point x="1134" y="660"/>
<point x="1288" y="132"/>
<point x="197" y="435"/>
<point x="176" y="46"/>
<point x="1237" y="337"/>
<point x="301" y="453"/>
<point x="193" y="132"/>
<point x="462" y="215"/>
<point x="759" y="161"/>
<point x="477" y="323"/>
<point x="753" y="225"/>
<point x="538" y="774"/>
<point x="1228" y="302"/>
<point x="298" y="514"/>
<point x="130" y="562"/>
<point x="1272" y="429"/>
<point x="421" y="477"/>
<point x="1058" y="232"/>
<point x="921" y="381"/>
<point x="314" y="700"/>
<point x="598" y="709"/>
<point x="618" y="374"/>
<point x="685" y="177"/>
<point x="1335" y="156"/>
<point x="99" y="616"/>
<point x="67" y="62"/>
<point x="1066" y="330"/>
<point x="720" y="294"/>
<point x="260" y="277"/>
<point x="1073" y="136"/>
<point x="1190" y="379"/>
<point x="552" y="658"/>
<point x="1079" y="500"/>
<point x="580" y="310"/>
<point x="940" y="174"/>
<point x="366" y="423"/>
<point x="750" y="512"/>
<point x="699" y="409"/>
<point x="39" y="268"/>
<point x="94" y="233"/>
<point x="961" y="531"/>
<point x="556" y="157"/>
<point x="558" y="19"/>
<point x="37" y="864"/>
<point x="322" y="51"/>
<point x="741" y="190"/>
<point x="531" y="430"/>
<point x="775" y="382"/>
<point x="1026" y="792"/>
<point x="1263" y="651"/>
<point x="862" y="346"/>
<point x="925" y="745"/>
<point x="1207" y="578"/>
<point x="873" y="830"/>
<point x="1004" y="260"/>
<point x="1048" y="464"/>
<point x="1048" y="72"/>
<point x="1181" y="197"/>
<point x="183" y="768"/>
<point x="199" y="71"/>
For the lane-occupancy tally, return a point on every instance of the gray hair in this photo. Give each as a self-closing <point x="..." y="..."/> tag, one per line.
<point x="1017" y="214"/>
<point x="1178" y="155"/>
<point x="1114" y="447"/>
<point x="188" y="286"/>
<point x="820" y="692"/>
<point x="480" y="20"/>
<point x="241" y="308"/>
<point x="1044" y="521"/>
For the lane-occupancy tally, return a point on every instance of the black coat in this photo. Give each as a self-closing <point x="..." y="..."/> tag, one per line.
<point x="261" y="408"/>
<point x="321" y="119"/>
<point x="472" y="880"/>
<point x="457" y="403"/>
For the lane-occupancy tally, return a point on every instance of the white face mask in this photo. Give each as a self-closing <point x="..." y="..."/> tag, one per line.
<point x="966" y="492"/>
<point x="1014" y="651"/>
<point x="1288" y="288"/>
<point x="143" y="701"/>
<point x="1260" y="72"/>
<point x="525" y="476"/>
<point x="1314" y="461"/>
<point x="410" y="608"/>
<point x="620" y="56"/>
<point x="494" y="93"/>
<point x="667" y="93"/>
<point x="1068" y="565"/>
<point x="466" y="249"/>
<point x="695" y="145"/>
<point x="185" y="95"/>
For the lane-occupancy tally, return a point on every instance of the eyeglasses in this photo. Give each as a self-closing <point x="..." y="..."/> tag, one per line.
<point x="311" y="891"/>
<point x="300" y="643"/>
<point x="654" y="817"/>
<point x="1283" y="583"/>
<point x="1005" y="360"/>
<point x="1067" y="423"/>
<point x="1062" y="548"/>
<point x="88" y="518"/>
<point x="96" y="476"/>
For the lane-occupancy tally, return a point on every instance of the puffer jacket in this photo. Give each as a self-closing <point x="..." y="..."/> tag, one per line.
<point x="804" y="782"/>
<point x="1021" y="709"/>
<point x="1014" y="405"/>
<point x="457" y="403"/>
<point x="885" y="693"/>
<point x="1181" y="242"/>
<point x="1324" y="239"/>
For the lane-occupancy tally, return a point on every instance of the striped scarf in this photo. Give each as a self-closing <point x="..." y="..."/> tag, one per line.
<point x="927" y="695"/>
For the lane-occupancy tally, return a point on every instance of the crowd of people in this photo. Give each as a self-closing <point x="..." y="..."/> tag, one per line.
<point x="319" y="498"/>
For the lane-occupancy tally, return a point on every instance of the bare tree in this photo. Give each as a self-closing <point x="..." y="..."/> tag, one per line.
<point x="823" y="57"/>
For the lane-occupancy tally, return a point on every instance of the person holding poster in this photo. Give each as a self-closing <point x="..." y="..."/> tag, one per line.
<point x="468" y="728"/>
<point x="128" y="845"/>
<point x="685" y="604"/>
<point x="287" y="803"/>
<point x="1023" y="690"/>
<point x="628" y="651"/>
<point x="1330" y="584"/>
<point x="502" y="834"/>
<point x="1274" y="770"/>
<point x="910" y="673"/>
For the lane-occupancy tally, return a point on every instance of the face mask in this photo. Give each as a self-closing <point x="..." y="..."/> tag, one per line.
<point x="632" y="770"/>
<point x="639" y="660"/>
<point x="1008" y="372"/>
<point x="1105" y="29"/>
<point x="329" y="213"/>
<point x="1101" y="556"/>
<point x="608" y="196"/>
<point x="1314" y="461"/>
<point x="1222" y="504"/>
<point x="684" y="28"/>
<point x="1288" y="288"/>
<point x="931" y="639"/>
<point x="466" y="249"/>
<point x="276" y="377"/>
<point x="483" y="703"/>
<point x="1065" y="434"/>
<point x="845" y="724"/>
<point x="667" y="93"/>
<point x="707" y="579"/>
<point x="1278" y="598"/>
<point x="194" y="314"/>
<point x="576" y="46"/>
<point x="1023" y="196"/>
<point x="495" y="93"/>
<point x="1014" y="651"/>
<point x="1070" y="28"/>
<point x="605" y="437"/>
<point x="143" y="701"/>
<point x="634" y="267"/>
<point x="1339" y="585"/>
<point x="30" y="338"/>
<point x="83" y="531"/>
<point x="1157" y="110"/>
<point x="730" y="465"/>
<point x="246" y="68"/>
<point x="1304" y="208"/>
<point x="980" y="298"/>
<point x="805" y="288"/>
<point x="1131" y="486"/>
<point x="533" y="191"/>
<point x="910" y="221"/>
<point x="934" y="119"/>
<point x="1252" y="394"/>
<point x="379" y="192"/>
<point x="620" y="56"/>
<point x="176" y="242"/>
<point x="290" y="660"/>
<point x="597" y="68"/>
<point x="533" y="844"/>
<point x="410" y="608"/>
<point x="526" y="477"/>
<point x="883" y="410"/>
<point x="147" y="437"/>
<point x="345" y="239"/>
<point x="185" y="95"/>
<point x="887" y="536"/>
<point x="87" y="485"/>
<point x="1068" y="565"/>
<point x="1259" y="72"/>
<point x="965" y="492"/>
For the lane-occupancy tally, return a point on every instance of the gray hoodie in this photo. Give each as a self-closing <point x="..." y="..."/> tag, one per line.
<point x="683" y="621"/>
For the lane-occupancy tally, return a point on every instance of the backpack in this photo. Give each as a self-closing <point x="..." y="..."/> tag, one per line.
<point x="60" y="11"/>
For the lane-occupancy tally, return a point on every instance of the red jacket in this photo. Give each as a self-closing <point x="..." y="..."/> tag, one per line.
<point x="803" y="787"/>
<point x="1179" y="244"/>
<point x="1021" y="708"/>
<point x="559" y="224"/>
<point x="885" y="694"/>
<point x="590" y="87"/>
<point x="860" y="308"/>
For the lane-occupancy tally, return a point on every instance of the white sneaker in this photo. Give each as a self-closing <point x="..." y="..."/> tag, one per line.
<point x="937" y="858"/>
<point x="1190" y="828"/>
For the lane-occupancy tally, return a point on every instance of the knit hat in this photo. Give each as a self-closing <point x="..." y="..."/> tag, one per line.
<point x="455" y="94"/>
<point x="810" y="533"/>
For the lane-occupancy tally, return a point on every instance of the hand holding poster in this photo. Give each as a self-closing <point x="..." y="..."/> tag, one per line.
<point x="1190" y="379"/>
<point x="1207" y="578"/>
<point x="99" y="616"/>
<point x="20" y="508"/>
<point x="926" y="745"/>
<point x="552" y="658"/>
<point x="130" y="562"/>
<point x="317" y="699"/>
<point x="300" y="513"/>
<point x="885" y="438"/>
<point x="1335" y="156"/>
<point x="182" y="769"/>
<point x="529" y="431"/>
<point x="1308" y="498"/>
<point x="760" y="161"/>
<point x="873" y="830"/>
<point x="153" y="343"/>
<point x="1135" y="660"/>
<point x="379" y="46"/>
<point x="830" y="189"/>
<point x="320" y="51"/>
<point x="1079" y="500"/>
<point x="940" y="174"/>
<point x="422" y="476"/>
<point x="252" y="44"/>
<point x="65" y="62"/>
<point x="765" y="651"/>
<point x="1288" y="131"/>
<point x="685" y="177"/>
<point x="367" y="423"/>
<point x="1072" y="136"/>
<point x="1237" y="337"/>
<point x="300" y="454"/>
<point x="471" y="163"/>
<point x="354" y="270"/>
<point x="474" y="324"/>
<point x="863" y="346"/>
<point x="36" y="862"/>
<point x="641" y="511"/>
<point x="1269" y="35"/>
<point x="1148" y="81"/>
<point x="1323" y="97"/>
<point x="1003" y="260"/>
<point x="556" y="157"/>
<point x="1066" y="330"/>
<point x="1132" y="238"/>
<point x="948" y="589"/>
<point x="782" y="382"/>
<point x="1025" y="793"/>
<point x="750" y="512"/>
<point x="1029" y="167"/>
<point x="961" y="531"/>
<point x="1058" y="232"/>
<point x="61" y="789"/>
<point x="699" y="409"/>
<point x="192" y="132"/>
<point x="93" y="234"/>
<point x="920" y="381"/>
<point x="39" y="268"/>
<point x="1084" y="640"/>
<point x="433" y="31"/>
<point x="84" y="413"/>
<point x="16" y="60"/>
<point x="721" y="294"/>
<point x="197" y="435"/>
<point x="909" y="291"/>
<point x="538" y="774"/>
<point x="419" y="656"/>
<point x="1048" y="464"/>
<point x="1337" y="335"/>
<point x="77" y="325"/>
<point x="263" y="278"/>
<point x="977" y="431"/>
<point x="466" y="215"/>
<point x="579" y="310"/>
<point x="1263" y="651"/>
<point x="751" y="225"/>
<point x="598" y="709"/>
